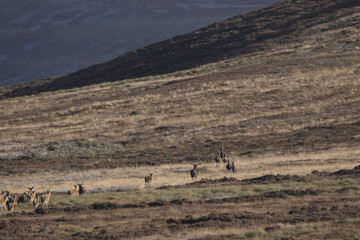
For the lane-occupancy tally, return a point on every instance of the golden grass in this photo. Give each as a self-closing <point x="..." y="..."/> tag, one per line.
<point x="127" y="178"/>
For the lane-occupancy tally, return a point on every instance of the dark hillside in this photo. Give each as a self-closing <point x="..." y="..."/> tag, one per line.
<point x="282" y="23"/>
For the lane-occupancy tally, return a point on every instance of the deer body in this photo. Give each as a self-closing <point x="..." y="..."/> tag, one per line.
<point x="217" y="159"/>
<point x="36" y="202"/>
<point x="3" y="202"/>
<point x="45" y="198"/>
<point x="73" y="192"/>
<point x="148" y="179"/>
<point x="233" y="168"/>
<point x="228" y="166"/>
<point x="82" y="189"/>
<point x="194" y="172"/>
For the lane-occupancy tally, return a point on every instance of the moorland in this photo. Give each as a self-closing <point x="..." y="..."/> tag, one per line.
<point x="278" y="88"/>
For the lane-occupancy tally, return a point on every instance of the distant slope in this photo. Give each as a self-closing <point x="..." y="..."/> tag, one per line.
<point x="50" y="38"/>
<point x="283" y="23"/>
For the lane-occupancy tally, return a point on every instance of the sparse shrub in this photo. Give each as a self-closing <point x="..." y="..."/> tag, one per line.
<point x="255" y="234"/>
<point x="51" y="148"/>
<point x="104" y="206"/>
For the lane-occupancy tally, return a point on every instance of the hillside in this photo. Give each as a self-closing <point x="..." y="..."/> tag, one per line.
<point x="285" y="107"/>
<point x="40" y="39"/>
<point x="284" y="23"/>
<point x="292" y="88"/>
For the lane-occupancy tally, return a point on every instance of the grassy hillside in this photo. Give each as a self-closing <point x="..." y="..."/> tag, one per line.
<point x="299" y="94"/>
<point x="285" y="107"/>
<point x="288" y="22"/>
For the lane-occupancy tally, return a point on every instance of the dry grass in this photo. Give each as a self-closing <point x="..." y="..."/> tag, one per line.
<point x="128" y="178"/>
<point x="288" y="109"/>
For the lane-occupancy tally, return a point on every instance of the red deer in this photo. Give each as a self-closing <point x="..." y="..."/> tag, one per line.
<point x="45" y="198"/>
<point x="73" y="192"/>
<point x="224" y="157"/>
<point x="194" y="172"/>
<point x="30" y="194"/>
<point x="82" y="189"/>
<point x="36" y="202"/>
<point x="217" y="159"/>
<point x="5" y="193"/>
<point x="11" y="203"/>
<point x="148" y="179"/>
<point x="233" y="168"/>
<point x="3" y="202"/>
<point x="228" y="166"/>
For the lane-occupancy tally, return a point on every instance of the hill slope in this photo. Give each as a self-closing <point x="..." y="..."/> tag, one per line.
<point x="288" y="90"/>
<point x="283" y="23"/>
<point x="55" y="38"/>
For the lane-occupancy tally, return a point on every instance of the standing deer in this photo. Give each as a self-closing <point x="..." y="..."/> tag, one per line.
<point x="11" y="203"/>
<point x="233" y="168"/>
<point x="5" y="193"/>
<point x="36" y="202"/>
<point x="148" y="179"/>
<point x="45" y="198"/>
<point x="82" y="189"/>
<point x="73" y="192"/>
<point x="3" y="202"/>
<point x="194" y="172"/>
<point x="217" y="159"/>
<point x="224" y="158"/>
<point x="228" y="166"/>
<point x="30" y="194"/>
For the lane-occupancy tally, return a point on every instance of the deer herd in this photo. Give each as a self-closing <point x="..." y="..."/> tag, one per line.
<point x="10" y="201"/>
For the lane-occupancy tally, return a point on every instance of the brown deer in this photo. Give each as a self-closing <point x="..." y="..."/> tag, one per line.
<point x="148" y="179"/>
<point x="3" y="202"/>
<point x="82" y="189"/>
<point x="224" y="157"/>
<point x="73" y="192"/>
<point x="36" y="202"/>
<point x="30" y="194"/>
<point x="5" y="193"/>
<point x="228" y="166"/>
<point x="194" y="172"/>
<point x="217" y="160"/>
<point x="45" y="198"/>
<point x="11" y="203"/>
<point x="221" y="151"/>
<point x="233" y="168"/>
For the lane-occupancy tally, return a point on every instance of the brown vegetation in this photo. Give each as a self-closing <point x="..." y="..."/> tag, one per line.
<point x="278" y="87"/>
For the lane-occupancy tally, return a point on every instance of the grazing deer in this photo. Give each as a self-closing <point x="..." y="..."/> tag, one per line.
<point x="45" y="198"/>
<point x="148" y="179"/>
<point x="5" y="193"/>
<point x="11" y="203"/>
<point x="217" y="160"/>
<point x="73" y="192"/>
<point x="224" y="157"/>
<point x="30" y="190"/>
<point x="82" y="189"/>
<point x="233" y="168"/>
<point x="30" y="194"/>
<point x="23" y="198"/>
<point x="3" y="202"/>
<point x="36" y="202"/>
<point x="194" y="172"/>
<point x="228" y="166"/>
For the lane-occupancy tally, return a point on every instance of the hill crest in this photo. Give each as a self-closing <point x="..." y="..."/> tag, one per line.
<point x="288" y="22"/>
